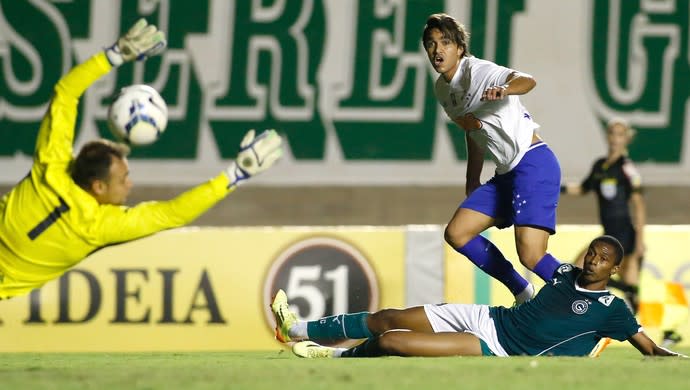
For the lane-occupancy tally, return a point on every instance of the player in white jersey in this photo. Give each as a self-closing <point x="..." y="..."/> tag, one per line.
<point x="482" y="99"/>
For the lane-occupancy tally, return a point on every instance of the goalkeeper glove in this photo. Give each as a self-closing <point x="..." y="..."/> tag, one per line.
<point x="256" y="155"/>
<point x="143" y="40"/>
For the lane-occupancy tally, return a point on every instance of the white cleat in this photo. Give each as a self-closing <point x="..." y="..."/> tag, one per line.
<point x="311" y="350"/>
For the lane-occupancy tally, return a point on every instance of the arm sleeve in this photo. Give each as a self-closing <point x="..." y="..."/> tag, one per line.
<point x="56" y="134"/>
<point x="492" y="74"/>
<point x="621" y="324"/>
<point x="118" y="224"/>
<point x="632" y="175"/>
<point x="588" y="183"/>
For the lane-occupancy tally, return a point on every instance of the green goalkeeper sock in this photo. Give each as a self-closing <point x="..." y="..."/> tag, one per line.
<point x="342" y="326"/>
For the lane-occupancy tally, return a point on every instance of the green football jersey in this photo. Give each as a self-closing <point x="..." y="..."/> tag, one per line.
<point x="563" y="319"/>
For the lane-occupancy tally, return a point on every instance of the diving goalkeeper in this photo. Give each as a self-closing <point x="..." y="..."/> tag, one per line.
<point x="67" y="207"/>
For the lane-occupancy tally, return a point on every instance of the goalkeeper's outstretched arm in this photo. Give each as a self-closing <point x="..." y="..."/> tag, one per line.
<point x="256" y="155"/>
<point x="56" y="134"/>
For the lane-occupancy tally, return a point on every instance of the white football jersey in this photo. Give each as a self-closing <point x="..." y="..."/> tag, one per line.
<point x="506" y="126"/>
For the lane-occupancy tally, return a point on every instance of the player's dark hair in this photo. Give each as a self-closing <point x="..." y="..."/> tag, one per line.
<point x="94" y="160"/>
<point x="614" y="243"/>
<point x="450" y="28"/>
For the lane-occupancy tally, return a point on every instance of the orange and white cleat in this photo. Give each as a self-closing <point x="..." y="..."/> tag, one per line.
<point x="285" y="319"/>
<point x="600" y="347"/>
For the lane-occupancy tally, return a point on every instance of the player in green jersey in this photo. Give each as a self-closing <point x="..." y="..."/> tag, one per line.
<point x="568" y="317"/>
<point x="67" y="207"/>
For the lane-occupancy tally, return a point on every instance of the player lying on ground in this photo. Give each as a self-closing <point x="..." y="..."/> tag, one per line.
<point x="66" y="208"/>
<point x="568" y="316"/>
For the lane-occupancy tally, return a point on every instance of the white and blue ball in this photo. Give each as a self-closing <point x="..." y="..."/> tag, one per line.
<point x="138" y="115"/>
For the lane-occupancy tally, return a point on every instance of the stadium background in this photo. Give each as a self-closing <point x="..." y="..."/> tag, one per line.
<point x="347" y="83"/>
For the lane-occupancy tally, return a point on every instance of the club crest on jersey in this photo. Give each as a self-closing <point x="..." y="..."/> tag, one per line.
<point x="609" y="188"/>
<point x="580" y="306"/>
<point x="606" y="300"/>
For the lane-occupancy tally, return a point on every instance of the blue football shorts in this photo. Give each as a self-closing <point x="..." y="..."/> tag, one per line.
<point x="525" y="196"/>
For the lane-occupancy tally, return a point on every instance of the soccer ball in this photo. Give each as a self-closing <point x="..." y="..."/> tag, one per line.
<point x="138" y="115"/>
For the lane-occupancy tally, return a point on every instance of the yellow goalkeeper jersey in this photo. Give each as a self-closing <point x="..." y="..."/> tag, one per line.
<point x="49" y="224"/>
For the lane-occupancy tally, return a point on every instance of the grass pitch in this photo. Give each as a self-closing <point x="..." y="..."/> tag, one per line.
<point x="617" y="368"/>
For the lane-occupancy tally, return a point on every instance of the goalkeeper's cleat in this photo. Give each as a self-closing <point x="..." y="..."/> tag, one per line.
<point x="285" y="319"/>
<point x="600" y="347"/>
<point x="311" y="350"/>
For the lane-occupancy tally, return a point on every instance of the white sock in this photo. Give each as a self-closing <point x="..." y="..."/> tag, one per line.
<point x="338" y="352"/>
<point x="526" y="294"/>
<point x="299" y="331"/>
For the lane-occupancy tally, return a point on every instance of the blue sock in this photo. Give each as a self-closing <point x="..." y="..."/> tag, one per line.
<point x="342" y="326"/>
<point x="546" y="267"/>
<point x="486" y="256"/>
